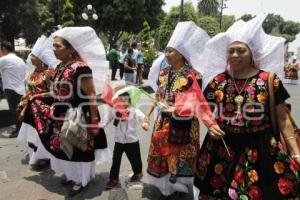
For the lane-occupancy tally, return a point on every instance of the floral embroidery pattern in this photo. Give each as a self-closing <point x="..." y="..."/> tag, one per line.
<point x="240" y="176"/>
<point x="164" y="157"/>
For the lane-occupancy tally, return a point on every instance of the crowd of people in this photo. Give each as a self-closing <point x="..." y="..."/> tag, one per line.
<point x="240" y="71"/>
<point x="129" y="61"/>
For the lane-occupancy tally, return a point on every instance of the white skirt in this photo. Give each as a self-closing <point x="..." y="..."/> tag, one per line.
<point x="196" y="192"/>
<point x="79" y="172"/>
<point x="167" y="188"/>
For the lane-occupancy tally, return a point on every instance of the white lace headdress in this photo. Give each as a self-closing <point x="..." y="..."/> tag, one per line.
<point x="189" y="40"/>
<point x="43" y="49"/>
<point x="267" y="50"/>
<point x="86" y="42"/>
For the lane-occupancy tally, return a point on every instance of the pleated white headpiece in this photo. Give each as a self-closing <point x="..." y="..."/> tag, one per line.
<point x="90" y="48"/>
<point x="267" y="50"/>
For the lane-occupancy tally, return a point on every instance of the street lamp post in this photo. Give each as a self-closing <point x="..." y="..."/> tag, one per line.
<point x="89" y="13"/>
<point x="222" y="6"/>
<point x="181" y="10"/>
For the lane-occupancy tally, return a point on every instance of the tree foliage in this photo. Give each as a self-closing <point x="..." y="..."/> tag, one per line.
<point x="208" y="7"/>
<point x="246" y="17"/>
<point x="68" y="15"/>
<point x="277" y="26"/>
<point x="148" y="48"/>
<point x="227" y="21"/>
<point x="119" y="16"/>
<point x="169" y="23"/>
<point x="25" y="18"/>
<point x="210" y="25"/>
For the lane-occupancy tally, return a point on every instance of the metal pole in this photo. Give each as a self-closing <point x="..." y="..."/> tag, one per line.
<point x="181" y="10"/>
<point x="222" y="3"/>
<point x="58" y="13"/>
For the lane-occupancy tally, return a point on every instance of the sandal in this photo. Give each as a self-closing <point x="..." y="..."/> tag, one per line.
<point x="112" y="184"/>
<point x="76" y="189"/>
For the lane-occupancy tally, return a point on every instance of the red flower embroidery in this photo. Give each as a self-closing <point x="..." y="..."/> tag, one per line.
<point x="216" y="182"/>
<point x="239" y="176"/>
<point x="294" y="166"/>
<point x="255" y="193"/>
<point x="254" y="155"/>
<point x="264" y="76"/>
<point x="39" y="124"/>
<point x="285" y="186"/>
<point x="220" y="78"/>
<point x="55" y="143"/>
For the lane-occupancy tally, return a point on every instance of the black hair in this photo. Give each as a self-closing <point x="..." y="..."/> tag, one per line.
<point x="130" y="50"/>
<point x="7" y="46"/>
<point x="134" y="45"/>
<point x="126" y="94"/>
<point x="113" y="46"/>
<point x="65" y="42"/>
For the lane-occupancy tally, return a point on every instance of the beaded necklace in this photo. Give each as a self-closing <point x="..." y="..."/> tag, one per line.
<point x="172" y="80"/>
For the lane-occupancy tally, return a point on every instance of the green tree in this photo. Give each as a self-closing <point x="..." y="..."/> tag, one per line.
<point x="68" y="15"/>
<point x="118" y="16"/>
<point x="210" y="25"/>
<point x="273" y="22"/>
<point x="275" y="25"/>
<point x="168" y="24"/>
<point x="208" y="7"/>
<point x="246" y="17"/>
<point x="227" y="21"/>
<point x="28" y="19"/>
<point x="148" y="48"/>
<point x="9" y="18"/>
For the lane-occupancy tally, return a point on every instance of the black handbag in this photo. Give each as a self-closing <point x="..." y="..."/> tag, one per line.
<point x="179" y="130"/>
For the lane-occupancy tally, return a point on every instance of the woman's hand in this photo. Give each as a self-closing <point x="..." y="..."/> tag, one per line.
<point x="145" y="126"/>
<point x="215" y="132"/>
<point x="146" y="123"/>
<point x="169" y="109"/>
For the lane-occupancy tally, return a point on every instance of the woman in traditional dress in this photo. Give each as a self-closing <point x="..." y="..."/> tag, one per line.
<point x="37" y="84"/>
<point x="291" y="71"/>
<point x="78" y="79"/>
<point x="175" y="140"/>
<point x="254" y="166"/>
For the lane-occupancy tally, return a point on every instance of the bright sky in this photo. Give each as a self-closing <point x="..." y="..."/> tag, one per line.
<point x="288" y="9"/>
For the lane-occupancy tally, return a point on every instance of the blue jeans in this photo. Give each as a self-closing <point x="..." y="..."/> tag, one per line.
<point x="129" y="78"/>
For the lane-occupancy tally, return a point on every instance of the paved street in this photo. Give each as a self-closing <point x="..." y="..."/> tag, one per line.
<point x="18" y="181"/>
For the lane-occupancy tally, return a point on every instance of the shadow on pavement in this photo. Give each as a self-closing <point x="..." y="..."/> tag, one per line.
<point x="152" y="193"/>
<point x="50" y="182"/>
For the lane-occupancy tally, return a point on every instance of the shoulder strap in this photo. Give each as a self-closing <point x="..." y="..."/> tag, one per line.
<point x="272" y="109"/>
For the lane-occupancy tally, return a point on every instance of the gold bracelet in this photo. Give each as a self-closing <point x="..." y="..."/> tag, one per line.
<point x="295" y="156"/>
<point x="289" y="138"/>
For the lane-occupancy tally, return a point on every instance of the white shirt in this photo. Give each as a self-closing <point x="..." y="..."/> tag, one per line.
<point x="126" y="131"/>
<point x="12" y="70"/>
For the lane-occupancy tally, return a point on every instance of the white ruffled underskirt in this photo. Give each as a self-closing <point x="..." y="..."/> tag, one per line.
<point x="196" y="192"/>
<point x="79" y="172"/>
<point x="167" y="188"/>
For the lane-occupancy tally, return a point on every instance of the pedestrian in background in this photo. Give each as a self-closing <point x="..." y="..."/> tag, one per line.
<point x="129" y="67"/>
<point x="122" y="56"/>
<point x="12" y="69"/>
<point x="113" y="57"/>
